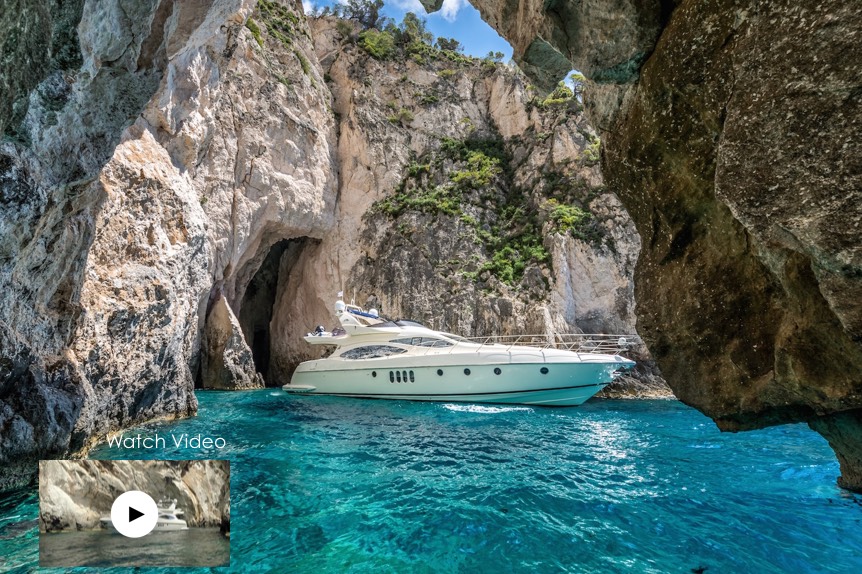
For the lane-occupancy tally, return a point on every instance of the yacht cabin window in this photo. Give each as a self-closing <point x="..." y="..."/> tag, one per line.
<point x="372" y="352"/>
<point x="423" y="342"/>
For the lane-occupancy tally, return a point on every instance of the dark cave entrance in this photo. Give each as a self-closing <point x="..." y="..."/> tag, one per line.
<point x="256" y="309"/>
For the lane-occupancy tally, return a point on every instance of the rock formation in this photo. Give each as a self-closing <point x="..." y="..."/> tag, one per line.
<point x="149" y="164"/>
<point x="187" y="185"/>
<point x="75" y="494"/>
<point x="226" y="361"/>
<point x="731" y="133"/>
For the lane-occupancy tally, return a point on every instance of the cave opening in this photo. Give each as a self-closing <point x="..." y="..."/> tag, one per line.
<point x="256" y="308"/>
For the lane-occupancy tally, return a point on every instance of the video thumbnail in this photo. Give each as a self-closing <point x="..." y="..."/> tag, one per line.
<point x="134" y="513"/>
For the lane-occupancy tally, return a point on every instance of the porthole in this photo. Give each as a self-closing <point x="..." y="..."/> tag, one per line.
<point x="391" y="377"/>
<point x="440" y="372"/>
<point x="404" y="376"/>
<point x="466" y="371"/>
<point x="497" y="370"/>
<point x="373" y="373"/>
<point x="544" y="370"/>
<point x="412" y="379"/>
<point x="398" y="376"/>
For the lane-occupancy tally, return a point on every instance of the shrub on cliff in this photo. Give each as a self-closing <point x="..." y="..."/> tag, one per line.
<point x="574" y="220"/>
<point x="381" y="45"/>
<point x="561" y="95"/>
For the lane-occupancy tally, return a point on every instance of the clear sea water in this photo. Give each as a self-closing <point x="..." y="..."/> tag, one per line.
<point x="345" y="485"/>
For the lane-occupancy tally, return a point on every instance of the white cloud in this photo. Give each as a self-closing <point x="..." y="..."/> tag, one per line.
<point x="410" y="6"/>
<point x="307" y="7"/>
<point x="450" y="9"/>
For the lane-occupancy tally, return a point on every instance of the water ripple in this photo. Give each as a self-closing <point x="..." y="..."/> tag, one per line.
<point x="339" y="485"/>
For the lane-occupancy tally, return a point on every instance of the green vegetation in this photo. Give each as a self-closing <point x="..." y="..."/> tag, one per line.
<point x="510" y="259"/>
<point x="592" y="153"/>
<point x="478" y="172"/>
<point x="255" y="31"/>
<point x="476" y="192"/>
<point x="403" y="117"/>
<point x="433" y="200"/>
<point x="386" y="40"/>
<point x="571" y="219"/>
<point x="366" y="12"/>
<point x="381" y="45"/>
<point x="421" y="52"/>
<point x="449" y="44"/>
<point x="429" y="98"/>
<point x="279" y="19"/>
<point x="303" y="61"/>
<point x="344" y="28"/>
<point x="578" y="83"/>
<point x="561" y="95"/>
<point x="457" y="58"/>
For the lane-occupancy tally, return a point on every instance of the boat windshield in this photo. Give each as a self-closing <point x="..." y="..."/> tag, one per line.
<point x="408" y="323"/>
<point x="383" y="324"/>
<point x="456" y="338"/>
<point x="423" y="342"/>
<point x="371" y="352"/>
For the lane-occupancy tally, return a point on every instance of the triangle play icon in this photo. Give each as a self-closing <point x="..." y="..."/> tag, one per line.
<point x="134" y="514"/>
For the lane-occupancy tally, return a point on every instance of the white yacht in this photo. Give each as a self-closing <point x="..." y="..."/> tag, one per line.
<point x="382" y="359"/>
<point x="169" y="517"/>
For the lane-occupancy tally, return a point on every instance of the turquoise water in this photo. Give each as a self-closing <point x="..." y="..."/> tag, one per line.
<point x="325" y="484"/>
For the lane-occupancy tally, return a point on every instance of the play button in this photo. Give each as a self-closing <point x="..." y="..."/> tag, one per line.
<point x="134" y="514"/>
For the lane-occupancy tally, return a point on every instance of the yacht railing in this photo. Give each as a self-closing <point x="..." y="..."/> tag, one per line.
<point x="576" y="342"/>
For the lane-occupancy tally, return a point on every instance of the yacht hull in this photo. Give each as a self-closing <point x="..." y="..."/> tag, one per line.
<point x="161" y="525"/>
<point x="561" y="384"/>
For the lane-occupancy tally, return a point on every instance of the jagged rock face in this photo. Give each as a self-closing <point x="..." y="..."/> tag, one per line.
<point x="606" y="41"/>
<point x="75" y="494"/>
<point x="736" y="150"/>
<point x="226" y="360"/>
<point x="145" y="180"/>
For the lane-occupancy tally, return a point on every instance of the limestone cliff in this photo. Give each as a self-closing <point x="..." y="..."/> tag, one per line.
<point x="185" y="186"/>
<point x="143" y="180"/>
<point x="731" y="133"/>
<point x="74" y="495"/>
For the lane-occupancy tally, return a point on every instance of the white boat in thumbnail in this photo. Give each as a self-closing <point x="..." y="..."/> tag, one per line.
<point x="383" y="359"/>
<point x="169" y="517"/>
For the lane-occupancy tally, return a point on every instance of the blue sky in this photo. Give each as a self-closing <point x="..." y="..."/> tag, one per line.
<point x="456" y="19"/>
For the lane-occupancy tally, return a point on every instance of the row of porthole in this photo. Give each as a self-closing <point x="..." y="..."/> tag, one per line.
<point x="398" y="376"/>
<point x="497" y="371"/>
<point x="401" y="376"/>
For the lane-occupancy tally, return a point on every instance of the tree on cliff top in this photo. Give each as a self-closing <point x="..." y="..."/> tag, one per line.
<point x="414" y="29"/>
<point x="366" y="12"/>
<point x="449" y="44"/>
